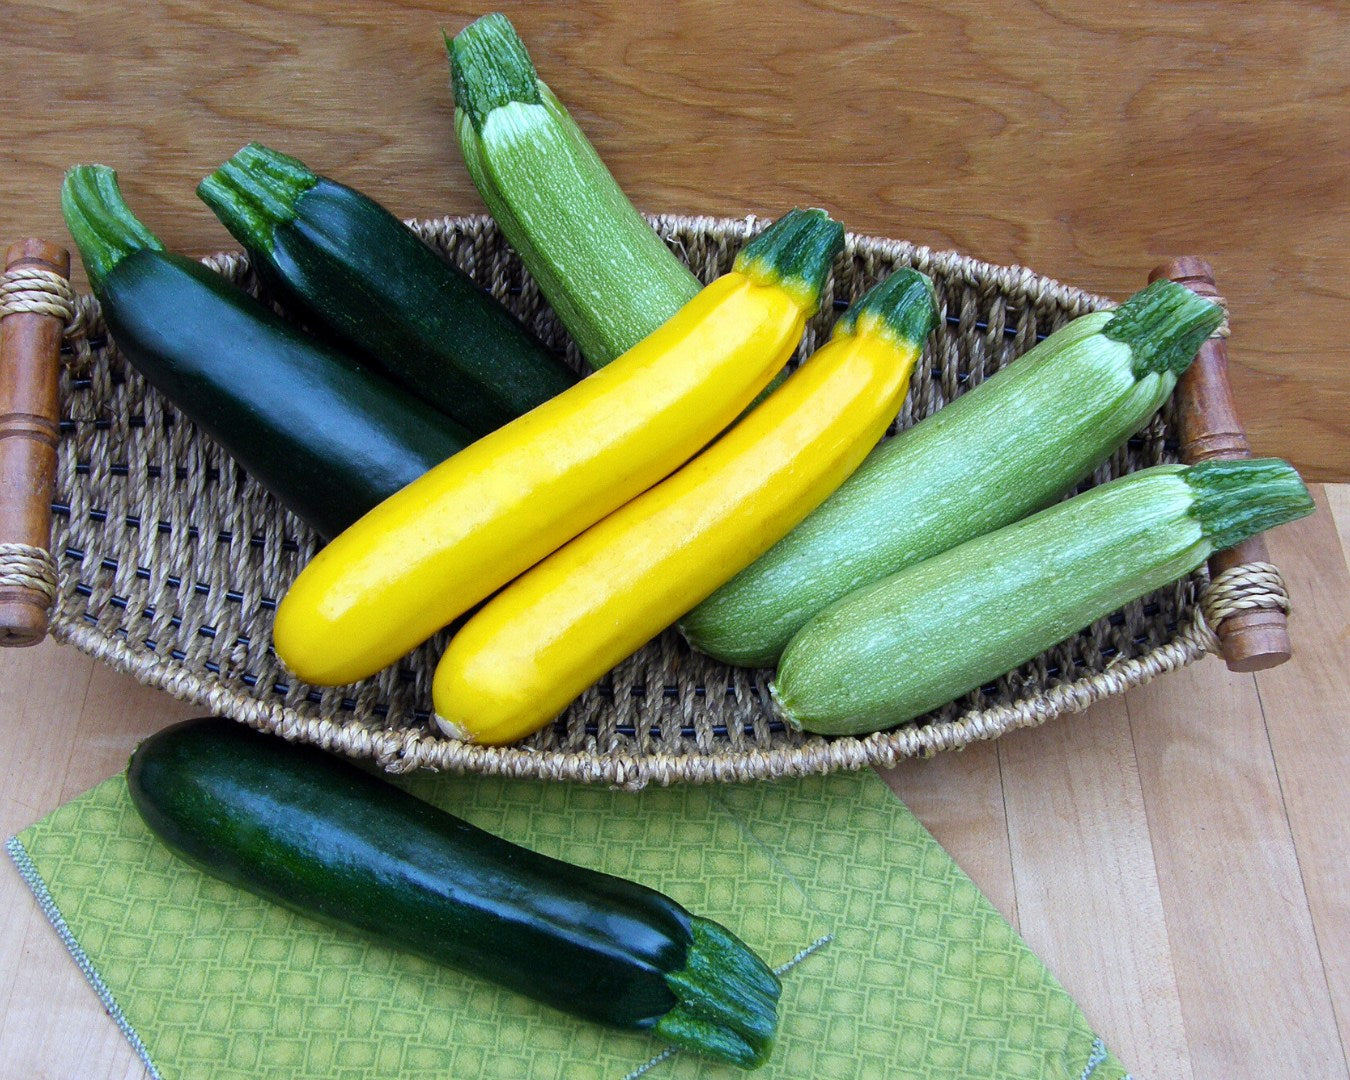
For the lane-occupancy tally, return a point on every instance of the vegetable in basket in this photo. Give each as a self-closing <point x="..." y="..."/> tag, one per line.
<point x="609" y="277"/>
<point x="363" y="275"/>
<point x="327" y="437"/>
<point x="553" y="631"/>
<point x="1008" y="447"/>
<point x="320" y="836"/>
<point x="429" y="553"/>
<point x="899" y="647"/>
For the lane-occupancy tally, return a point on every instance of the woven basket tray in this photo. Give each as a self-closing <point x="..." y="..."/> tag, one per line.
<point x="170" y="559"/>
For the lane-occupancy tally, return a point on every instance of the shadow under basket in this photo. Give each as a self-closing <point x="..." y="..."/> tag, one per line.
<point x="170" y="560"/>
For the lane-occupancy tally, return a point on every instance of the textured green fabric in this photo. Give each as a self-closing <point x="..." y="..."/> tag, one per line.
<point x="919" y="978"/>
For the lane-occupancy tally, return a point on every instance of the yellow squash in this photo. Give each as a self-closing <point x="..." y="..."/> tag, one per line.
<point x="552" y="632"/>
<point x="431" y="551"/>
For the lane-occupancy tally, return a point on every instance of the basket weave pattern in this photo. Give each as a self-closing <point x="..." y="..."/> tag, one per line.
<point x="171" y="559"/>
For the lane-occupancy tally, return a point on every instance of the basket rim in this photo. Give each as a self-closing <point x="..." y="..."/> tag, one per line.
<point x="407" y="749"/>
<point x="1012" y="279"/>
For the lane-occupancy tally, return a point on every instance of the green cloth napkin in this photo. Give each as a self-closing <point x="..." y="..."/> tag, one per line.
<point x="894" y="965"/>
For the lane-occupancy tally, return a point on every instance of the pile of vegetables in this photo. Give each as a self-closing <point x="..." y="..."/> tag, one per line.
<point x="558" y="627"/>
<point x="462" y="472"/>
<point x="454" y="536"/>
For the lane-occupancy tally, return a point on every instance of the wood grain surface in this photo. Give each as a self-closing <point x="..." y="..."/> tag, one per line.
<point x="1178" y="856"/>
<point x="1087" y="140"/>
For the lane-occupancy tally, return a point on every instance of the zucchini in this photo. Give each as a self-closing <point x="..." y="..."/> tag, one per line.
<point x="320" y="836"/>
<point x="553" y="631"/>
<point x="357" y="271"/>
<point x="895" y="649"/>
<point x="447" y="541"/>
<point x="1010" y="446"/>
<point x="327" y="437"/>
<point x="604" y="271"/>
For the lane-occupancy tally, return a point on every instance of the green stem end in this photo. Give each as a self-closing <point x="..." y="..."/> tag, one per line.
<point x="727" y="999"/>
<point x="902" y="309"/>
<point x="100" y="222"/>
<point x="1235" y="500"/>
<point x="490" y="67"/>
<point x="256" y="191"/>
<point x="1164" y="325"/>
<point x="795" y="253"/>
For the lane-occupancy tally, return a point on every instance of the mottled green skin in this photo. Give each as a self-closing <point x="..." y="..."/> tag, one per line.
<point x="909" y="643"/>
<point x="315" y="833"/>
<point x="976" y="464"/>
<point x="605" y="272"/>
<point x="358" y="272"/>
<point x="1006" y="448"/>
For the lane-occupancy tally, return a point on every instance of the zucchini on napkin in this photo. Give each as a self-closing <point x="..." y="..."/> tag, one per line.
<point x="897" y="969"/>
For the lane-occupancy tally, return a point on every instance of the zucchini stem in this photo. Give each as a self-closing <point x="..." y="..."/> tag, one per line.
<point x="1164" y="325"/>
<point x="490" y="67"/>
<point x="795" y="253"/>
<point x="255" y="191"/>
<point x="901" y="310"/>
<point x="728" y="999"/>
<point x="1235" y="500"/>
<point x="100" y="222"/>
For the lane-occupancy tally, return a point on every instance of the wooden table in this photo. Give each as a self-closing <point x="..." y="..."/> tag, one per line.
<point x="1178" y="856"/>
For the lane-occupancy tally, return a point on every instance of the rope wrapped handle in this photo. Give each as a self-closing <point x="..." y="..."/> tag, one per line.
<point x="40" y="292"/>
<point x="1246" y="604"/>
<point x="36" y="305"/>
<point x="1237" y="593"/>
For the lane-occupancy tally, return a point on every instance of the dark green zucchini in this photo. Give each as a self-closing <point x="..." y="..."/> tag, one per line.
<point x="328" y="437"/>
<point x="359" y="272"/>
<point x="318" y="835"/>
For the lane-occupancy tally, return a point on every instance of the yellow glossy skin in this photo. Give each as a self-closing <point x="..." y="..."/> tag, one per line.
<point x="551" y="633"/>
<point x="454" y="536"/>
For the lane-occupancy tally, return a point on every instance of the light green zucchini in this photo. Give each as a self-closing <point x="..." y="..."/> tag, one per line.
<point x="900" y="647"/>
<point x="602" y="268"/>
<point x="1008" y="447"/>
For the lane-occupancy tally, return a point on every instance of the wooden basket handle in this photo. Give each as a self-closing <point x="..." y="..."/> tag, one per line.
<point x="1257" y="638"/>
<point x="35" y="305"/>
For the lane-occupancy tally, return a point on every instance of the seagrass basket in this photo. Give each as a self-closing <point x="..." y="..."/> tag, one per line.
<point x="168" y="559"/>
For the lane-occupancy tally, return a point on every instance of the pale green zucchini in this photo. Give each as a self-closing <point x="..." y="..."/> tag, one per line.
<point x="599" y="264"/>
<point x="1010" y="446"/>
<point x="902" y="646"/>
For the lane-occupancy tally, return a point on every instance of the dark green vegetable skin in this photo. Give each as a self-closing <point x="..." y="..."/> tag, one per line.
<point x="328" y="437"/>
<point x="318" y="835"/>
<point x="360" y="273"/>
